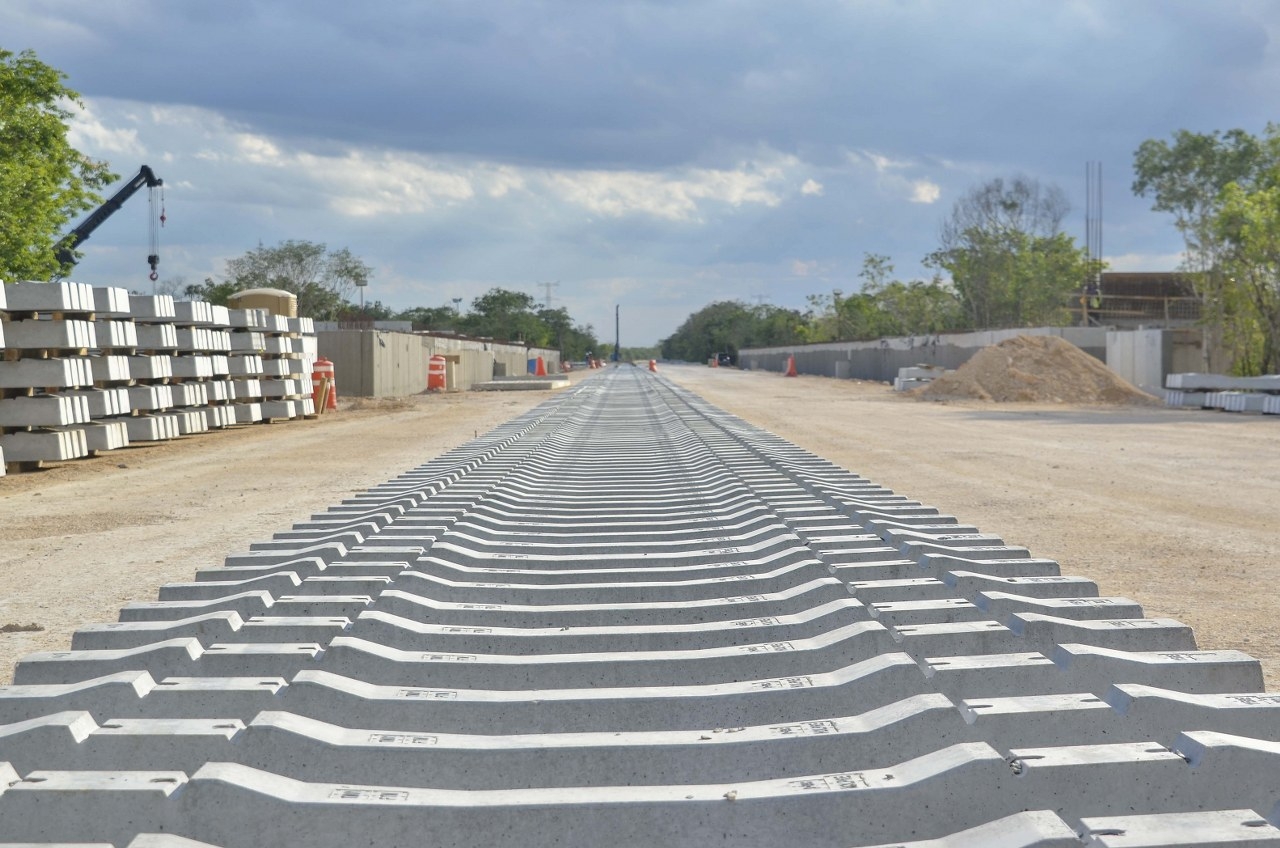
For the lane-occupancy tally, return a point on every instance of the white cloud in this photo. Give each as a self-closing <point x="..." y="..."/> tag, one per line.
<point x="803" y="267"/>
<point x="256" y="150"/>
<point x="892" y="176"/>
<point x="1144" y="262"/>
<point x="881" y="163"/>
<point x="89" y="131"/>
<point x="364" y="185"/>
<point x="674" y="196"/>
<point x="364" y="182"/>
<point x="923" y="191"/>
<point x="812" y="187"/>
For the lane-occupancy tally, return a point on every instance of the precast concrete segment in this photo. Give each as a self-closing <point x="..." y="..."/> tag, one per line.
<point x="1163" y="712"/>
<point x="307" y="749"/>
<point x="377" y="663"/>
<point x="956" y="784"/>
<point x="789" y="601"/>
<point x="826" y="810"/>
<point x="406" y="633"/>
<point x="1034" y="829"/>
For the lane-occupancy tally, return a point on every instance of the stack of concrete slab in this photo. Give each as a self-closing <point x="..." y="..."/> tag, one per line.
<point x="288" y="358"/>
<point x="117" y="344"/>
<point x="151" y="395"/>
<point x="146" y="368"/>
<point x="1220" y="391"/>
<point x="628" y="618"/>
<point x="917" y="376"/>
<point x="248" y="341"/>
<point x="48" y="333"/>
<point x="201" y="370"/>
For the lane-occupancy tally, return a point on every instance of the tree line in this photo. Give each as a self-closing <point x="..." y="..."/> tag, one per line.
<point x="1002" y="261"/>
<point x="1223" y="191"/>
<point x="325" y="282"/>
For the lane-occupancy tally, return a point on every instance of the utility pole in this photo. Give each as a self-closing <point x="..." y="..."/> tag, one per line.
<point x="617" y="333"/>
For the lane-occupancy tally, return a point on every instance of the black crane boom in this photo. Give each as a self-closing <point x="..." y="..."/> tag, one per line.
<point x="65" y="250"/>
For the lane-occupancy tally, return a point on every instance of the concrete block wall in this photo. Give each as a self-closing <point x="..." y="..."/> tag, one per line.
<point x="681" y="631"/>
<point x="376" y="363"/>
<point x="881" y="359"/>
<point x="92" y="369"/>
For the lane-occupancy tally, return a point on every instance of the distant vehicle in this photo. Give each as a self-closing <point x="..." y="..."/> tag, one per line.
<point x="725" y="359"/>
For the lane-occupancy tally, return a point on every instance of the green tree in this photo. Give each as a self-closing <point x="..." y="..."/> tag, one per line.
<point x="728" y="326"/>
<point x="1009" y="262"/>
<point x="514" y="316"/>
<point x="505" y="314"/>
<point x="884" y="307"/>
<point x="572" y="340"/>
<point x="324" y="280"/>
<point x="1249" y="226"/>
<point x="920" y="307"/>
<point x="1187" y="178"/>
<point x="44" y="181"/>
<point x="430" y="317"/>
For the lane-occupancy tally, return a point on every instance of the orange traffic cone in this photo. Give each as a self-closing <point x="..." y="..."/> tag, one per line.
<point x="791" y="367"/>
<point x="541" y="368"/>
<point x="653" y="365"/>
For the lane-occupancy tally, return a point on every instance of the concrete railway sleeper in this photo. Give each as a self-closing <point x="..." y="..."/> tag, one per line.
<point x="629" y="616"/>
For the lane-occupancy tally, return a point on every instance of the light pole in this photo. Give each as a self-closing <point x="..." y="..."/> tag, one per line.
<point x="360" y="285"/>
<point x="617" y="333"/>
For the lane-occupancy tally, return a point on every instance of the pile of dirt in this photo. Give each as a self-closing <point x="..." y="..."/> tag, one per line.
<point x="1035" y="369"/>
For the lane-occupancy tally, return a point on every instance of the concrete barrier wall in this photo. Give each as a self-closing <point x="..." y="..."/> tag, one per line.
<point x="881" y="359"/>
<point x="375" y="363"/>
<point x="1140" y="356"/>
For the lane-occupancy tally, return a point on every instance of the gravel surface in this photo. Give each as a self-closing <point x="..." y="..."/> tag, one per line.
<point x="1175" y="509"/>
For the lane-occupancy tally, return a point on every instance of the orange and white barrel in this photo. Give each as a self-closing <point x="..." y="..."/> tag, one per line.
<point x="436" y="373"/>
<point x="322" y="369"/>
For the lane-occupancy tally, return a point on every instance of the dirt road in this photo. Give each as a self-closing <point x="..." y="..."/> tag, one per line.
<point x="1175" y="509"/>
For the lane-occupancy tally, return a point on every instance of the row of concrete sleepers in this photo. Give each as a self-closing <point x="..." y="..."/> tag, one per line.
<point x="629" y="618"/>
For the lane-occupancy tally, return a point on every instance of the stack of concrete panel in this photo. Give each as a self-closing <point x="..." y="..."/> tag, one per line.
<point x="248" y="340"/>
<point x="108" y="399"/>
<point x="1220" y="391"/>
<point x="288" y="358"/>
<point x="151" y="395"/>
<point x="200" y="368"/>
<point x="917" y="377"/>
<point x="628" y="618"/>
<point x="48" y="332"/>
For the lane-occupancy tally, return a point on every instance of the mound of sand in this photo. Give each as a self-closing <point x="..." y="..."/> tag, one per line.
<point x="1035" y="369"/>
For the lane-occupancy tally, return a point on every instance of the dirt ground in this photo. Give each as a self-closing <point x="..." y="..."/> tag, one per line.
<point x="1176" y="509"/>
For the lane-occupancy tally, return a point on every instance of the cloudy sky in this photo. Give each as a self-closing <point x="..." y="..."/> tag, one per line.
<point x="657" y="154"/>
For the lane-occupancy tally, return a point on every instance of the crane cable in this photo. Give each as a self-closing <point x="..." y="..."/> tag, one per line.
<point x="153" y="257"/>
